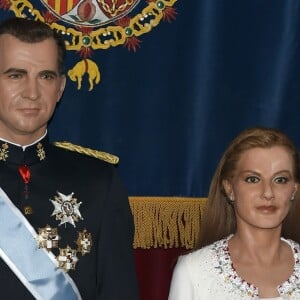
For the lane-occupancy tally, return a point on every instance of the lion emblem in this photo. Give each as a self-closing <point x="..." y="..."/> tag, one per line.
<point x="83" y="67"/>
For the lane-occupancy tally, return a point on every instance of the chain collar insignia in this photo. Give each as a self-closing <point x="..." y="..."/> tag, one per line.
<point x="91" y="25"/>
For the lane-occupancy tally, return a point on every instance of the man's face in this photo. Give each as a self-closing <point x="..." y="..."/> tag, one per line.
<point x="30" y="87"/>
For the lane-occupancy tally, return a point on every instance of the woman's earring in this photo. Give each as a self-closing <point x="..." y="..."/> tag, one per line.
<point x="293" y="196"/>
<point x="230" y="199"/>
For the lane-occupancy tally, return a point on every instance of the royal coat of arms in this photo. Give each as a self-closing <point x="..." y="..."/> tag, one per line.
<point x="90" y="12"/>
<point x="89" y="25"/>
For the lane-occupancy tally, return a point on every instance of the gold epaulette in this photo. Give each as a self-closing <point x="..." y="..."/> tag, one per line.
<point x="90" y="152"/>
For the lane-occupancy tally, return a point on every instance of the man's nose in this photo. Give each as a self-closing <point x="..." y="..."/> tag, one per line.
<point x="31" y="90"/>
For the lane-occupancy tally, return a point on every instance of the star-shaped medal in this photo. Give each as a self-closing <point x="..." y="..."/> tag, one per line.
<point x="66" y="209"/>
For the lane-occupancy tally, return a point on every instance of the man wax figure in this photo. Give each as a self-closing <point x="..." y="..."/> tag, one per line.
<point x="66" y="229"/>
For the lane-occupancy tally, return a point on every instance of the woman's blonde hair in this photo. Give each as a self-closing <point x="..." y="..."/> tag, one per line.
<point x="220" y="220"/>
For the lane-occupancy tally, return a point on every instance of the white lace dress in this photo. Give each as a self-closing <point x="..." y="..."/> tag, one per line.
<point x="208" y="274"/>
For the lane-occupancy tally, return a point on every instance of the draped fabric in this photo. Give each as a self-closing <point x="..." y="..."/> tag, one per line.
<point x="169" y="109"/>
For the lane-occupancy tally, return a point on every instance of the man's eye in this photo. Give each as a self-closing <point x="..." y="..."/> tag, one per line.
<point x="252" y="179"/>
<point x="15" y="76"/>
<point x="281" y="179"/>
<point x="47" y="76"/>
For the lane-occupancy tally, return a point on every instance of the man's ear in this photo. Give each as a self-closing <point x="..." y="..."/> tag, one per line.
<point x="227" y="186"/>
<point x="62" y="86"/>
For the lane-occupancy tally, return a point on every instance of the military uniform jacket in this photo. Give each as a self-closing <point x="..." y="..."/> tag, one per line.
<point x="98" y="208"/>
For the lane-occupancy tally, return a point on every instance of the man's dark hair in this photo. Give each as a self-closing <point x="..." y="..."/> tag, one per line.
<point x="30" y="31"/>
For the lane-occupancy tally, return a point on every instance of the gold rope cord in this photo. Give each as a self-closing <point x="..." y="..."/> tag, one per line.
<point x="90" y="152"/>
<point x="166" y="222"/>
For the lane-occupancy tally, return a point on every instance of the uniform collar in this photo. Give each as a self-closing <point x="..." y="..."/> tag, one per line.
<point x="26" y="155"/>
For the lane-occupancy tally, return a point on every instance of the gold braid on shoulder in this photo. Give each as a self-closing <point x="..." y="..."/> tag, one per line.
<point x="90" y="152"/>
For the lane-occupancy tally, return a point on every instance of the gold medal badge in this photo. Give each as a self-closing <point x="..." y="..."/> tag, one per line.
<point x="66" y="210"/>
<point x="67" y="259"/>
<point x="84" y="242"/>
<point x="48" y="238"/>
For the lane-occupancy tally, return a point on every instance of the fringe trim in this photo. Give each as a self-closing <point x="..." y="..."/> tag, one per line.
<point x="166" y="222"/>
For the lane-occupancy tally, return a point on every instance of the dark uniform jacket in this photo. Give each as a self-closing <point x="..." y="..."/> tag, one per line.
<point x="103" y="214"/>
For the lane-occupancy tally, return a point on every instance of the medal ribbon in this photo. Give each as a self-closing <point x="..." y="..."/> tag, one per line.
<point x="25" y="173"/>
<point x="36" y="268"/>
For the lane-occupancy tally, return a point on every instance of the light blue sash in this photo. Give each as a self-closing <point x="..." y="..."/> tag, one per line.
<point x="36" y="268"/>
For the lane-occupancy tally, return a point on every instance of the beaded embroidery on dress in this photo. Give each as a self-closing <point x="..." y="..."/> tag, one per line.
<point x="225" y="268"/>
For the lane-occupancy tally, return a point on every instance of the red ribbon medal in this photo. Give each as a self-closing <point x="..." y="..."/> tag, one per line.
<point x="25" y="174"/>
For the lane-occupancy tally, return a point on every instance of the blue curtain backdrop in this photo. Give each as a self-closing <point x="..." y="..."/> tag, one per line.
<point x="170" y="109"/>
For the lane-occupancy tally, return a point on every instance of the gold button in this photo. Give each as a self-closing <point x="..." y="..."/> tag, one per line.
<point x="28" y="210"/>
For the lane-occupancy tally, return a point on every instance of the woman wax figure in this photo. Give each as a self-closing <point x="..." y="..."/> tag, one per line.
<point x="247" y="248"/>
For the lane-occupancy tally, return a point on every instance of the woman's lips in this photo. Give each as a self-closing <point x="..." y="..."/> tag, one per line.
<point x="267" y="208"/>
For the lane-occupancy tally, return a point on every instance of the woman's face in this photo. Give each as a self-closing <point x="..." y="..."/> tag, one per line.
<point x="262" y="187"/>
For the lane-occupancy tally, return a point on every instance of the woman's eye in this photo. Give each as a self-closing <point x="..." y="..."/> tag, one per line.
<point x="281" y="179"/>
<point x="252" y="179"/>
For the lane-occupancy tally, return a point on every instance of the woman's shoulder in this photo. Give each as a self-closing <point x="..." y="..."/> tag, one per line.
<point x="292" y="243"/>
<point x="205" y="256"/>
<point x="291" y="286"/>
<point x="295" y="246"/>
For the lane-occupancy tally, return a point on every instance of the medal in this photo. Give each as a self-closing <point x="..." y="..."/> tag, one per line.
<point x="48" y="238"/>
<point x="66" y="209"/>
<point x="84" y="242"/>
<point x="67" y="259"/>
<point x="26" y="175"/>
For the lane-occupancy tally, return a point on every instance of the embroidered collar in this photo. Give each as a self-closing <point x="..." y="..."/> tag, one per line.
<point x="10" y="153"/>
<point x="226" y="269"/>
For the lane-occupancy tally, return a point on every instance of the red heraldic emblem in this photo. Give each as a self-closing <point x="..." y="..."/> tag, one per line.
<point x="90" y="12"/>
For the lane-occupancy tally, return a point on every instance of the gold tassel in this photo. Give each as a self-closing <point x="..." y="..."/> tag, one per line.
<point x="166" y="222"/>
